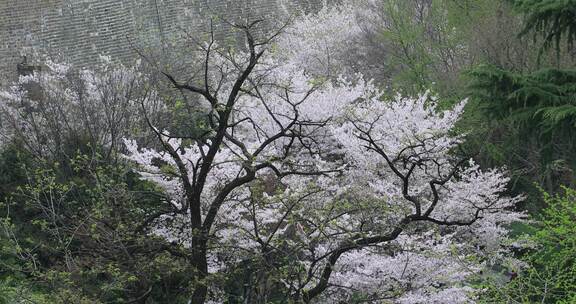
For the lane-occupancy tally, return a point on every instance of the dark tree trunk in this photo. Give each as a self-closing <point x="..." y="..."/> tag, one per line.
<point x="200" y="263"/>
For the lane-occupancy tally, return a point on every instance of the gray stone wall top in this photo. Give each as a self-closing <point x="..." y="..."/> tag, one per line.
<point x="81" y="30"/>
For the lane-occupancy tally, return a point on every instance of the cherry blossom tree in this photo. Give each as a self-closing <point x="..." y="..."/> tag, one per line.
<point x="314" y="41"/>
<point x="317" y="190"/>
<point x="57" y="109"/>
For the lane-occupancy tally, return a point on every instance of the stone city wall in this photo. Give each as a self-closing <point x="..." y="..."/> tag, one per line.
<point x="81" y="30"/>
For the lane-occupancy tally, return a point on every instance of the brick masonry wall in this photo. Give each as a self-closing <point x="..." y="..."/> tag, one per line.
<point x="81" y="30"/>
